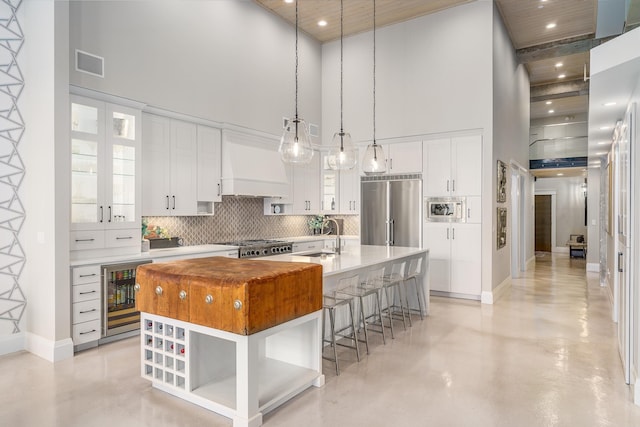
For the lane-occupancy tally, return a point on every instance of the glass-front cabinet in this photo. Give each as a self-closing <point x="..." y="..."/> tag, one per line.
<point x="105" y="178"/>
<point x="329" y="188"/>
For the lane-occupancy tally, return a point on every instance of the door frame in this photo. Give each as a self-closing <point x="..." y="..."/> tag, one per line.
<point x="551" y="193"/>
<point x="518" y="235"/>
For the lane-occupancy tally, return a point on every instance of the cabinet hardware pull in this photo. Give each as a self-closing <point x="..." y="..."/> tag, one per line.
<point x="391" y="164"/>
<point x="109" y="213"/>
<point x="174" y="202"/>
<point x="167" y="202"/>
<point x="453" y="185"/>
<point x="620" y="269"/>
<point x="468" y="212"/>
<point x="447" y="234"/>
<point x="88" y="311"/>
<point x="88" y="332"/>
<point x="453" y="234"/>
<point x="136" y="287"/>
<point x="218" y="189"/>
<point x="88" y="275"/>
<point x="208" y="299"/>
<point x="158" y="290"/>
<point x="182" y="295"/>
<point x="447" y="185"/>
<point x="85" y="240"/>
<point x="85" y="293"/>
<point x="101" y="213"/>
<point x="124" y="238"/>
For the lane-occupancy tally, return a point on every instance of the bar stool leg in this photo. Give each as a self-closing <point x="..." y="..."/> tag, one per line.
<point x="364" y="324"/>
<point x="333" y="338"/>
<point x="354" y="330"/>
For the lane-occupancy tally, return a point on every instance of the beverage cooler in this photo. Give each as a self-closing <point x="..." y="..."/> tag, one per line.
<point x="119" y="299"/>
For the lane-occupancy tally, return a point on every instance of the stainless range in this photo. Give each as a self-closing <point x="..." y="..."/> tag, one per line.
<point x="260" y="248"/>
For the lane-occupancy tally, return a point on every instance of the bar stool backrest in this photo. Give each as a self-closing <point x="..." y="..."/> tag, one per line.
<point x="375" y="277"/>
<point x="415" y="268"/>
<point x="348" y="282"/>
<point x="397" y="271"/>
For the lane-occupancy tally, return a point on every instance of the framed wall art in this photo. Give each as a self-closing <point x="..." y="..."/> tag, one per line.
<point x="501" y="182"/>
<point x="502" y="228"/>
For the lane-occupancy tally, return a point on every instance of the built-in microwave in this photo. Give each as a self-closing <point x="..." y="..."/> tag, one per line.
<point x="444" y="209"/>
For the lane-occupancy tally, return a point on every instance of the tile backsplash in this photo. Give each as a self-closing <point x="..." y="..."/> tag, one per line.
<point x="241" y="218"/>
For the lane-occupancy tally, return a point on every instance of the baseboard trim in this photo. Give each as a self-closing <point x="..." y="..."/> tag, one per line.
<point x="593" y="267"/>
<point x="496" y="293"/>
<point x="635" y="387"/>
<point x="12" y="343"/>
<point x="53" y="351"/>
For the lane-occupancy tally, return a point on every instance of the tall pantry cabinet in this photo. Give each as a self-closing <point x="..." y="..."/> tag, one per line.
<point x="453" y="168"/>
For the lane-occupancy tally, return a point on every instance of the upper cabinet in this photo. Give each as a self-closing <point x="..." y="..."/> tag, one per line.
<point x="306" y="187"/>
<point x="329" y="187"/>
<point x="404" y="157"/>
<point x="105" y="171"/>
<point x="453" y="166"/>
<point x="176" y="158"/>
<point x="349" y="192"/>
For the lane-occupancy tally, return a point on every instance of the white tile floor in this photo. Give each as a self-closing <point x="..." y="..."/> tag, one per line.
<point x="543" y="355"/>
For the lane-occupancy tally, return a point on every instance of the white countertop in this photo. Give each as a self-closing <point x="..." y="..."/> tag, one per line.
<point x="351" y="259"/>
<point x="315" y="237"/>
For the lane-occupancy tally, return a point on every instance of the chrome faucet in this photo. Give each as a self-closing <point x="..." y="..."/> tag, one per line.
<point x="338" y="242"/>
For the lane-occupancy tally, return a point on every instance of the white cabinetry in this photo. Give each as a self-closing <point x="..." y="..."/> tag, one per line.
<point x="329" y="188"/>
<point x="455" y="260"/>
<point x="312" y="245"/>
<point x="306" y="187"/>
<point x="404" y="157"/>
<point x="86" y="306"/>
<point x="178" y="178"/>
<point x="453" y="166"/>
<point x="349" y="192"/>
<point x="105" y="171"/>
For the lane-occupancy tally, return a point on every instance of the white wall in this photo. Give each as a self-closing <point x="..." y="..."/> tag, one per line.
<point x="593" y="219"/>
<point x="428" y="71"/>
<point x="46" y="228"/>
<point x="510" y="144"/>
<point x="569" y="207"/>
<point x="225" y="60"/>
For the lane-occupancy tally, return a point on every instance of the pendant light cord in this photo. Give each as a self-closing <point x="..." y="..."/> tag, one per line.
<point x="341" y="75"/>
<point x="374" y="80"/>
<point x="296" y="67"/>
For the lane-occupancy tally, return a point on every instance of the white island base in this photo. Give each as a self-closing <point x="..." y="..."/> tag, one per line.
<point x="238" y="376"/>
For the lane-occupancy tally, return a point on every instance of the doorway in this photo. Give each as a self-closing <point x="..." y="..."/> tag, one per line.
<point x="543" y="222"/>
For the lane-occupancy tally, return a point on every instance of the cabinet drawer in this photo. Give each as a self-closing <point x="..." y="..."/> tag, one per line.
<point x="86" y="310"/>
<point x="122" y="238"/>
<point x="86" y="332"/>
<point x="88" y="274"/>
<point x="87" y="239"/>
<point x="86" y="292"/>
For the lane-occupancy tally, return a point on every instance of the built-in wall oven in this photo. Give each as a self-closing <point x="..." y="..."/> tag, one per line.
<point x="119" y="312"/>
<point x="445" y="209"/>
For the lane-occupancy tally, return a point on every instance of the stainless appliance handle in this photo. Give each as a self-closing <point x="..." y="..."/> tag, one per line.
<point x="391" y="227"/>
<point x="386" y="236"/>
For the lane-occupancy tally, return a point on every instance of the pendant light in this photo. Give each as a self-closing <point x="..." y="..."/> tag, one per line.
<point x="374" y="161"/>
<point x="295" y="144"/>
<point x="343" y="154"/>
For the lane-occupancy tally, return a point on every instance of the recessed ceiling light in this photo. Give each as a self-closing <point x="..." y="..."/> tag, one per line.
<point x="603" y="142"/>
<point x="562" y="76"/>
<point x="551" y="25"/>
<point x="322" y="23"/>
<point x="549" y="102"/>
<point x="560" y="174"/>
<point x="601" y="153"/>
<point x="609" y="104"/>
<point x="288" y="1"/>
<point x="559" y="64"/>
<point x="552" y="111"/>
<point x="605" y="128"/>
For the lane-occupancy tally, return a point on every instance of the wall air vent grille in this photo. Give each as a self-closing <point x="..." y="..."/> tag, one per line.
<point x="314" y="130"/>
<point x="90" y="64"/>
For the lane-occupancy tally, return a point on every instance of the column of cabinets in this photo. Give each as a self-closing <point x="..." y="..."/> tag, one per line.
<point x="306" y="187"/>
<point x="453" y="169"/>
<point x="105" y="175"/>
<point x="181" y="163"/>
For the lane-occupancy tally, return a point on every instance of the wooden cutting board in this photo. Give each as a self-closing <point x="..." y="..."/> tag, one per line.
<point x="242" y="296"/>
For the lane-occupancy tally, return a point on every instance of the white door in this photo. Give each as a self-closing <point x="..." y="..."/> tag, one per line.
<point x="437" y="239"/>
<point x="437" y="162"/>
<point x="466" y="261"/>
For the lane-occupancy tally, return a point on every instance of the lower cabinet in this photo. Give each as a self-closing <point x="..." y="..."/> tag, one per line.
<point x="455" y="258"/>
<point x="86" y="307"/>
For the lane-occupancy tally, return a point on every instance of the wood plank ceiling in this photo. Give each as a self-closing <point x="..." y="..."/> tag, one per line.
<point x="557" y="57"/>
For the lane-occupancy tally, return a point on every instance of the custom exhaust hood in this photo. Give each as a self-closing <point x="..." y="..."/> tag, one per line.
<point x="251" y="166"/>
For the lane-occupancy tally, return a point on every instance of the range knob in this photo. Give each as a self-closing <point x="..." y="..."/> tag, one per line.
<point x="265" y="252"/>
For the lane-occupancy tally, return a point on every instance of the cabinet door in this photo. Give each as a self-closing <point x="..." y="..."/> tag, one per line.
<point x="466" y="260"/>
<point x="299" y="190"/>
<point x="437" y="238"/>
<point x="87" y="164"/>
<point x="184" y="186"/>
<point x="404" y="157"/>
<point x="329" y="184"/>
<point x="313" y="183"/>
<point x="209" y="166"/>
<point x="122" y="184"/>
<point x="474" y="210"/>
<point x="156" y="165"/>
<point x="437" y="163"/>
<point x="467" y="176"/>
<point x="306" y="187"/>
<point x="349" y="192"/>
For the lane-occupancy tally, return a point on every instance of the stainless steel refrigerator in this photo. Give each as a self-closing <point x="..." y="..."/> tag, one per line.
<point x="391" y="211"/>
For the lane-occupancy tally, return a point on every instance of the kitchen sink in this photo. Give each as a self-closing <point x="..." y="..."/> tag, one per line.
<point x="317" y="254"/>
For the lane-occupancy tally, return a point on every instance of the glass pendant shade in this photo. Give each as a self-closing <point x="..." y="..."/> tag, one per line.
<point x="343" y="154"/>
<point x="295" y="144"/>
<point x="374" y="161"/>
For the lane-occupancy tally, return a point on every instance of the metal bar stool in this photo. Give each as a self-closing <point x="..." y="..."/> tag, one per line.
<point x="413" y="272"/>
<point x="396" y="291"/>
<point x="331" y="304"/>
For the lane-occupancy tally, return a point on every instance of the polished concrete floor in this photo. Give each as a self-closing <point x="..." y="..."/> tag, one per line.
<point x="543" y="355"/>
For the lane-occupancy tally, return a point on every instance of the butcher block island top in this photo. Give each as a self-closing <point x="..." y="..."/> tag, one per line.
<point x="241" y="296"/>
